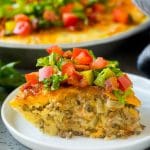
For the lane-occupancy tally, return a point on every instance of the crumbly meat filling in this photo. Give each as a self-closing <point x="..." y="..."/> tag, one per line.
<point x="84" y="112"/>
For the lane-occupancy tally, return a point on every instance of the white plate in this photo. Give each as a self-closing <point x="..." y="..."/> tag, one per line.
<point x="30" y="136"/>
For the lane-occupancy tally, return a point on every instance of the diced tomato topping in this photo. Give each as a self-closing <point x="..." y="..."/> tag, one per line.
<point x="70" y="19"/>
<point x="74" y="79"/>
<point x="120" y="15"/>
<point x="68" y="69"/>
<point x="98" y="8"/>
<point x="50" y="15"/>
<point x="32" y="78"/>
<point x="124" y="82"/>
<point x="83" y="59"/>
<point x="99" y="63"/>
<point x="82" y="67"/>
<point x="77" y="51"/>
<point x="22" y="28"/>
<point x="83" y="83"/>
<point x="45" y="72"/>
<point x="81" y="56"/>
<point x="22" y="17"/>
<point x="55" y="49"/>
<point x="67" y="8"/>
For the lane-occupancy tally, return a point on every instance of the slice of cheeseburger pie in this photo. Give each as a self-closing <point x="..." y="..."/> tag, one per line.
<point x="75" y="93"/>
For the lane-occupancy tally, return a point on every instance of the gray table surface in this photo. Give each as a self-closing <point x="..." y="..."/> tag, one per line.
<point x="127" y="55"/>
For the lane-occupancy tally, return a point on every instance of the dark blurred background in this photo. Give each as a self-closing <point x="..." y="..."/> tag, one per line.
<point x="127" y="54"/>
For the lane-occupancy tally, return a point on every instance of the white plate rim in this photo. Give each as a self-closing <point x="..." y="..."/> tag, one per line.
<point x="28" y="139"/>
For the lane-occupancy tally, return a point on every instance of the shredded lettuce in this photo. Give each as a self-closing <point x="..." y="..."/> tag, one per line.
<point x="50" y="60"/>
<point x="90" y="2"/>
<point x="60" y="62"/>
<point x="117" y="71"/>
<point x="114" y="66"/>
<point x="43" y="61"/>
<point x="53" y="83"/>
<point x="113" y="63"/>
<point x="53" y="59"/>
<point x="121" y="95"/>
